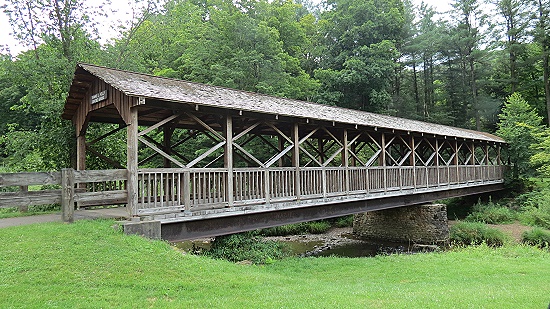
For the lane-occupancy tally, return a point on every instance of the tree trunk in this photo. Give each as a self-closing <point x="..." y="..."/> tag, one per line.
<point x="546" y="77"/>
<point x="474" y="94"/>
<point x="415" y="85"/>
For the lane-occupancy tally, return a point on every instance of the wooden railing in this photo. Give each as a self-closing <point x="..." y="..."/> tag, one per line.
<point x="177" y="190"/>
<point x="85" y="188"/>
<point x="169" y="190"/>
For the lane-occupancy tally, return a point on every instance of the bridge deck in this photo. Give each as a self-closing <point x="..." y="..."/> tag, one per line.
<point x="191" y="194"/>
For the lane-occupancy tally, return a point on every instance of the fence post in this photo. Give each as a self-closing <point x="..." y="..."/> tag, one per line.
<point x="267" y="185"/>
<point x="67" y="194"/>
<point x="24" y="208"/>
<point x="187" y="190"/>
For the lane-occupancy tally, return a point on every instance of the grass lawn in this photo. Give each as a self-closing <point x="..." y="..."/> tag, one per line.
<point x="90" y="265"/>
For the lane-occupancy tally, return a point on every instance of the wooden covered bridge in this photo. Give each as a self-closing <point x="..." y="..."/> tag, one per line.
<point x="207" y="160"/>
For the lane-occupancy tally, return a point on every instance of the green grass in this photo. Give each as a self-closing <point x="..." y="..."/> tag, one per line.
<point x="90" y="265"/>
<point x="14" y="212"/>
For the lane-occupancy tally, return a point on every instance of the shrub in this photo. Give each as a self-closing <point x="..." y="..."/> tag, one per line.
<point x="314" y="227"/>
<point x="476" y="233"/>
<point x="346" y="221"/>
<point x="535" y="216"/>
<point x="535" y="209"/>
<point x="318" y="227"/>
<point x="536" y="237"/>
<point x="246" y="246"/>
<point x="491" y="213"/>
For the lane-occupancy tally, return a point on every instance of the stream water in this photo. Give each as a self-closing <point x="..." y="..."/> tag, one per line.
<point x="342" y="246"/>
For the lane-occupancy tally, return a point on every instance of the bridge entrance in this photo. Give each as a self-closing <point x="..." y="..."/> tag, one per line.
<point x="237" y="160"/>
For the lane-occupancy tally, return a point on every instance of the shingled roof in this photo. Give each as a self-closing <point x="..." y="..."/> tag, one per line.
<point x="180" y="91"/>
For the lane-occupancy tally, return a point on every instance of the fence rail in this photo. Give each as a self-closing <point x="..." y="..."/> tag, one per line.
<point x="184" y="189"/>
<point x="85" y="188"/>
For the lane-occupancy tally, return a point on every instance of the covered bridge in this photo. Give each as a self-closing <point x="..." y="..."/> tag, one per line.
<point x="197" y="151"/>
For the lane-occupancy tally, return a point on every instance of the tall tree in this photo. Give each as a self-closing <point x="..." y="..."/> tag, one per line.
<point x="468" y="20"/>
<point x="519" y="124"/>
<point x="358" y="66"/>
<point x="542" y="37"/>
<point x="516" y="21"/>
<point x="58" y="39"/>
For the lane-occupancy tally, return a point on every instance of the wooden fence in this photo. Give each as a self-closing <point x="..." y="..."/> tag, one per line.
<point x="68" y="187"/>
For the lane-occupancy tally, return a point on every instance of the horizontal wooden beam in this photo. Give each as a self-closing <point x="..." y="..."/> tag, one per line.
<point x="28" y="198"/>
<point x="30" y="179"/>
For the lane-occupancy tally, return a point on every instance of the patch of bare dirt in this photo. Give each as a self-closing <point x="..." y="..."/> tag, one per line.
<point x="514" y="229"/>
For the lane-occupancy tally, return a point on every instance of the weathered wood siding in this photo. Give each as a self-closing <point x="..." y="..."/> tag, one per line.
<point x="119" y="100"/>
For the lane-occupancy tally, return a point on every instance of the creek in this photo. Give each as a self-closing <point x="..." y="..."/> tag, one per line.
<point x="339" y="243"/>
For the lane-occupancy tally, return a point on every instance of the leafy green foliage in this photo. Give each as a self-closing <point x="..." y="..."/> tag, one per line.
<point x="537" y="237"/>
<point x="476" y="233"/>
<point x="384" y="56"/>
<point x="518" y="124"/>
<point x="346" y="221"/>
<point x="491" y="213"/>
<point x="360" y="59"/>
<point x="541" y="153"/>
<point x="246" y="247"/>
<point x="313" y="227"/>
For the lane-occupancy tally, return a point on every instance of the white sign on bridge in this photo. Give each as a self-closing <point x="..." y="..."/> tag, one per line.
<point x="100" y="96"/>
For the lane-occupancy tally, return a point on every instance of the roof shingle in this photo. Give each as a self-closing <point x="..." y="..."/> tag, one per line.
<point x="173" y="90"/>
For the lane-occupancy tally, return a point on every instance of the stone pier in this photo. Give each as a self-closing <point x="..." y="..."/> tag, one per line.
<point x="423" y="224"/>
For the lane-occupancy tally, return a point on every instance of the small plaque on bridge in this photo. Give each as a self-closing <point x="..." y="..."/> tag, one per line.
<point x="100" y="96"/>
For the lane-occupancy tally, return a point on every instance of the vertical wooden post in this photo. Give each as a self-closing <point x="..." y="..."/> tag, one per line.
<point x="353" y="161"/>
<point x="132" y="162"/>
<point x="166" y="140"/>
<point x="67" y="195"/>
<point x="24" y="208"/>
<point x="81" y="158"/>
<point x="383" y="145"/>
<point x="186" y="190"/>
<point x="81" y="152"/>
<point x="228" y="158"/>
<point x="296" y="159"/>
<point x="437" y="160"/>
<point x="473" y="159"/>
<point x="345" y="160"/>
<point x="455" y="161"/>
<point x="281" y="146"/>
<point x="499" y="162"/>
<point x="413" y="160"/>
<point x="499" y="157"/>
<point x="321" y="148"/>
<point x="486" y="168"/>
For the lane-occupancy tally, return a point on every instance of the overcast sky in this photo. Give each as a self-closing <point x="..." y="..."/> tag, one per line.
<point x="124" y="13"/>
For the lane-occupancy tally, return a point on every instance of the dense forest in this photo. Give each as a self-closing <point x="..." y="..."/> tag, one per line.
<point x="383" y="56"/>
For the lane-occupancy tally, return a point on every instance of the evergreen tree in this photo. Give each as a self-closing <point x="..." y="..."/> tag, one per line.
<point x="518" y="125"/>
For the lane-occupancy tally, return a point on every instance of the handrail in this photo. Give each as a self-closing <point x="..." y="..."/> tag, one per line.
<point x="193" y="189"/>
